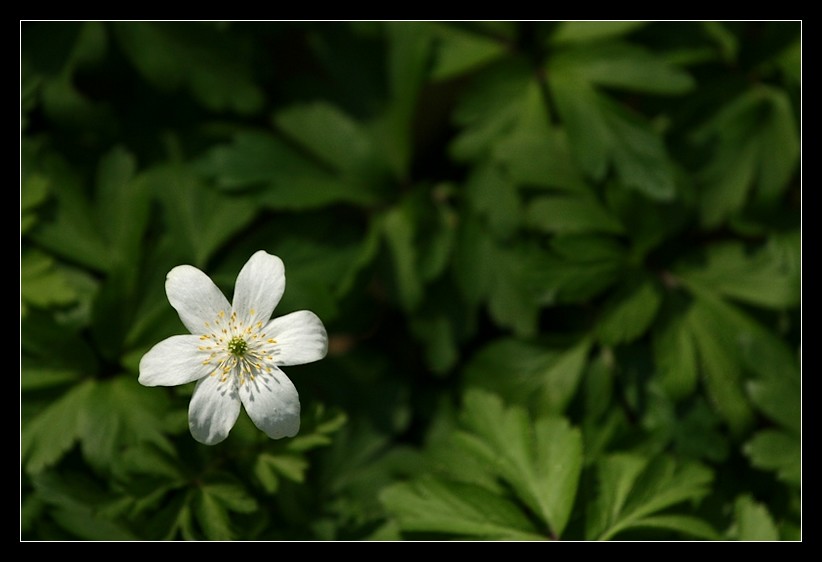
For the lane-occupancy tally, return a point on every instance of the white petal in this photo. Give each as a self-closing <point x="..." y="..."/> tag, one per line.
<point x="195" y="296"/>
<point x="174" y="361"/>
<point x="213" y="409"/>
<point x="300" y="338"/>
<point x="260" y="286"/>
<point x="272" y="404"/>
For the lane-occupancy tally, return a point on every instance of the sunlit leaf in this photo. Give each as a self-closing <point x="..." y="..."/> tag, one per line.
<point x="540" y="460"/>
<point x="753" y="522"/>
<point x="633" y="491"/>
<point x="464" y="510"/>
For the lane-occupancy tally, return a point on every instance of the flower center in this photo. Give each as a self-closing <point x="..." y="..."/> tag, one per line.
<point x="237" y="346"/>
<point x="237" y="350"/>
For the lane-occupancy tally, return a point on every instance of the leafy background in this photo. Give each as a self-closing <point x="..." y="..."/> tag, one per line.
<point x="559" y="264"/>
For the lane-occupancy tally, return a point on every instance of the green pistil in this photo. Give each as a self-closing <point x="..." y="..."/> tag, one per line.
<point x="237" y="346"/>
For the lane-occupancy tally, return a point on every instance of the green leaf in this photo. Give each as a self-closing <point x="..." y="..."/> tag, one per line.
<point x="458" y="51"/>
<point x="777" y="451"/>
<point x="269" y="467"/>
<point x="34" y="190"/>
<point x="492" y="196"/>
<point x="639" y="156"/>
<point x="497" y="100"/>
<point x="716" y="334"/>
<point x="629" y="312"/>
<point x="601" y="133"/>
<point x="565" y="215"/>
<point x="583" y="31"/>
<point x="753" y="522"/>
<point x="332" y="137"/>
<point x="232" y="496"/>
<point x="409" y="48"/>
<point x="464" y="510"/>
<point x="122" y="207"/>
<point x="73" y="233"/>
<point x="683" y="524"/>
<point x="200" y="219"/>
<point x="540" y="460"/>
<point x="42" y="284"/>
<point x="769" y="277"/>
<point x="51" y="433"/>
<point x="755" y="143"/>
<point x="633" y="490"/>
<point x="120" y="413"/>
<point x="284" y="177"/>
<point x="780" y="398"/>
<point x="212" y="516"/>
<point x="540" y="159"/>
<point x="589" y="135"/>
<point x="675" y="356"/>
<point x="398" y="226"/>
<point x="74" y="503"/>
<point x="544" y="378"/>
<point x="622" y="65"/>
<point x="206" y="60"/>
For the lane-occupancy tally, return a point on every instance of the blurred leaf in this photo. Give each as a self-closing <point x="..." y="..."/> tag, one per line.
<point x="232" y="496"/>
<point x="198" y="217"/>
<point x="581" y="31"/>
<point x="780" y="398"/>
<point x="286" y="178"/>
<point x="73" y="233"/>
<point x="755" y="142"/>
<point x="408" y="51"/>
<point x="399" y="232"/>
<point x="333" y="138"/>
<point x="493" y="197"/>
<point x="716" y="336"/>
<point x="581" y="267"/>
<point x="212" y="516"/>
<point x="542" y="377"/>
<point x="540" y="460"/>
<point x="602" y="133"/>
<point x="201" y="57"/>
<point x="122" y="208"/>
<point x="675" y="356"/>
<point x="41" y="283"/>
<point x="630" y="311"/>
<point x="769" y="277"/>
<point x="75" y="506"/>
<point x="753" y="522"/>
<point x="52" y="432"/>
<point x="120" y="413"/>
<point x="458" y="51"/>
<point x="464" y="510"/>
<point x="268" y="468"/>
<point x="570" y="215"/>
<point x="497" y="100"/>
<point x="634" y="490"/>
<point x="622" y="65"/>
<point x="777" y="451"/>
<point x="639" y="156"/>
<point x="540" y="159"/>
<point x="34" y="190"/>
<point x="588" y="132"/>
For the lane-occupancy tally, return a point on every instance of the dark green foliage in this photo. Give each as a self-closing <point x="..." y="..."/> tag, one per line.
<point x="559" y="264"/>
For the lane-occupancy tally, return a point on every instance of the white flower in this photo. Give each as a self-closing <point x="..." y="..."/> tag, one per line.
<point x="235" y="351"/>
